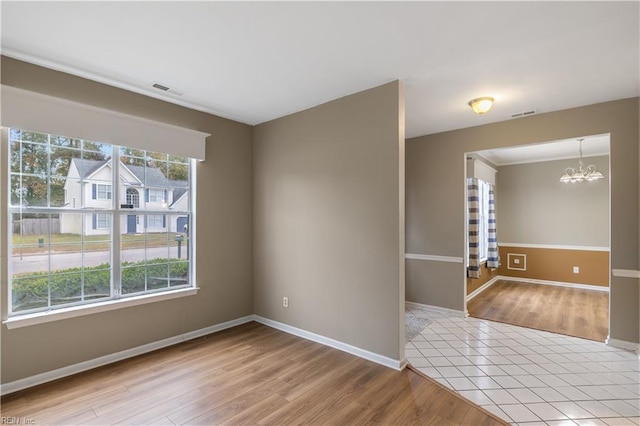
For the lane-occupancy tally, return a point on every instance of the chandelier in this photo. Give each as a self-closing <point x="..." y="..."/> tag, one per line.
<point x="581" y="174"/>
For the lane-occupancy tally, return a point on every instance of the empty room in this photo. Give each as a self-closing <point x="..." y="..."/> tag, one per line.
<point x="320" y="213"/>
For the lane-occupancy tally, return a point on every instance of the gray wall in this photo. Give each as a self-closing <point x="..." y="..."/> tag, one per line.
<point x="533" y="207"/>
<point x="435" y="200"/>
<point x="328" y="187"/>
<point x="224" y="244"/>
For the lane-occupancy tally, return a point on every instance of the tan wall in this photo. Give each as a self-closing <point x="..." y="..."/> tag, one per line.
<point x="328" y="220"/>
<point x="435" y="199"/>
<point x="224" y="244"/>
<point x="486" y="275"/>
<point x="556" y="265"/>
<point x="534" y="207"/>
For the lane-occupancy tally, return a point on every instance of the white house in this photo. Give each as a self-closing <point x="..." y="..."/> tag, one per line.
<point x="89" y="184"/>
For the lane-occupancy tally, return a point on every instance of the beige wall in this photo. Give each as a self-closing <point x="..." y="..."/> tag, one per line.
<point x="435" y="200"/>
<point x="224" y="244"/>
<point x="533" y="207"/>
<point x="328" y="220"/>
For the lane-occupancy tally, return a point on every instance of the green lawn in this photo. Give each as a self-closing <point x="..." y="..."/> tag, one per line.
<point x="34" y="244"/>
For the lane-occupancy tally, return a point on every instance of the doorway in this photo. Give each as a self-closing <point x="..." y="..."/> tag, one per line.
<point x="553" y="238"/>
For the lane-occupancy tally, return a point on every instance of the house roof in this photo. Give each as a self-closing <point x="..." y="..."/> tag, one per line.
<point x="87" y="167"/>
<point x="154" y="177"/>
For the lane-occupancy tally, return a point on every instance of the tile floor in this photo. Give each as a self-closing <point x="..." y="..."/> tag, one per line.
<point x="525" y="376"/>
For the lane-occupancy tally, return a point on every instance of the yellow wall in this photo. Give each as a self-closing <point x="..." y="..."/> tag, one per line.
<point x="556" y="265"/>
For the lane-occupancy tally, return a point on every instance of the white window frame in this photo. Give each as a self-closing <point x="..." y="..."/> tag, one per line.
<point x="483" y="232"/>
<point x="155" y="221"/>
<point x="27" y="318"/>
<point x="156" y="195"/>
<point x="103" y="221"/>
<point x="103" y="191"/>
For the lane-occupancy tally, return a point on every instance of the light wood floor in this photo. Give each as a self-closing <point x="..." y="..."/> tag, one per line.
<point x="564" y="310"/>
<point x="249" y="375"/>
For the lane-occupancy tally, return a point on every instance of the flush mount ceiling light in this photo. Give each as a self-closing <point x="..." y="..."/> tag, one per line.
<point x="581" y="174"/>
<point x="481" y="105"/>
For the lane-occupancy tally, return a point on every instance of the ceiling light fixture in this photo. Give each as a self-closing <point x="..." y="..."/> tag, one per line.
<point x="481" y="105"/>
<point x="581" y="174"/>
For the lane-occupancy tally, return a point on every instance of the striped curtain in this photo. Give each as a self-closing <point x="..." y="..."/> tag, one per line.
<point x="493" y="256"/>
<point x="473" y="203"/>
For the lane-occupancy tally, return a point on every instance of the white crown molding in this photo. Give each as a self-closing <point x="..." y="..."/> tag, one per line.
<point x="336" y="344"/>
<point x="60" y="373"/>
<point x="15" y="54"/>
<point x="434" y="258"/>
<point x="554" y="246"/>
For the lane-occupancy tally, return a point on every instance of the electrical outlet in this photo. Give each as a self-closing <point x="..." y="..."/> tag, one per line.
<point x="576" y="269"/>
<point x="285" y="302"/>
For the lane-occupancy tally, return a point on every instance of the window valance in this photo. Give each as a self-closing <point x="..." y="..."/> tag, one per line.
<point x="43" y="113"/>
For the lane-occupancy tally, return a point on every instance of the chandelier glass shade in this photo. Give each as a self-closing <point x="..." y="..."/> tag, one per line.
<point x="581" y="174"/>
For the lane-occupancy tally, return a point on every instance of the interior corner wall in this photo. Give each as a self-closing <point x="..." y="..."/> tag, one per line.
<point x="328" y="185"/>
<point x="435" y="200"/>
<point x="224" y="245"/>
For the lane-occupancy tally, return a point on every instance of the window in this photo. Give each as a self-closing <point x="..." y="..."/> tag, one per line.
<point x="155" y="221"/>
<point x="65" y="254"/>
<point x="155" y="196"/>
<point x="103" y="192"/>
<point x="133" y="198"/>
<point x="483" y="194"/>
<point x="102" y="221"/>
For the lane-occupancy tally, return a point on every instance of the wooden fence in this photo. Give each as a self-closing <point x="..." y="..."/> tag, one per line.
<point x="36" y="226"/>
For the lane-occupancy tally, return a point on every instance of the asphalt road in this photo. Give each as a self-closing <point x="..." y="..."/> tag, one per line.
<point x="40" y="262"/>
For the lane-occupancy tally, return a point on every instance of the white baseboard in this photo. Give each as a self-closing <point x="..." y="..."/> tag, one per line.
<point x="482" y="288"/>
<point x="59" y="373"/>
<point x="555" y="283"/>
<point x="622" y="344"/>
<point x="416" y="305"/>
<point x="336" y="344"/>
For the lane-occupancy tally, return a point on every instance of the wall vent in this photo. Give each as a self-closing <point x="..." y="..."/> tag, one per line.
<point x="523" y="113"/>
<point x="167" y="89"/>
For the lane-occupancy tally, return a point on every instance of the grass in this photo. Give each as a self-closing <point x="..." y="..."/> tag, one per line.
<point x="39" y="244"/>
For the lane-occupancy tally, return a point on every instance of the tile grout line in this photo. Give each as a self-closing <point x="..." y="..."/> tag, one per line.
<point x="497" y="342"/>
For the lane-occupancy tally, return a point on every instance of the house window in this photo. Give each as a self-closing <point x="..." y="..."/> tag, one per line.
<point x="103" y="221"/>
<point x="133" y="198"/>
<point x="80" y="243"/>
<point x="155" y="221"/>
<point x="155" y="196"/>
<point x="103" y="192"/>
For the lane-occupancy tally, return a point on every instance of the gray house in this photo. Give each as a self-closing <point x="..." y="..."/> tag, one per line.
<point x="89" y="185"/>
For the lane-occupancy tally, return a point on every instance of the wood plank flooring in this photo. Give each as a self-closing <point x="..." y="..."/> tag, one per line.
<point x="247" y="375"/>
<point x="564" y="310"/>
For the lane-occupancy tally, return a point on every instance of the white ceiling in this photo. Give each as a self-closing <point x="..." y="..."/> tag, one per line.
<point x="254" y="62"/>
<point x="557" y="150"/>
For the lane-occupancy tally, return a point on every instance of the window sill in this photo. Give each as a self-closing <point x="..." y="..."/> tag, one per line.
<point x="109" y="305"/>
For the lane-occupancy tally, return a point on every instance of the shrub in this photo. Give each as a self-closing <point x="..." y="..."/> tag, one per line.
<point x="32" y="291"/>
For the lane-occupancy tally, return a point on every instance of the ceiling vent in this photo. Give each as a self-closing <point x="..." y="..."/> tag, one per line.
<point x="165" y="88"/>
<point x="523" y="113"/>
